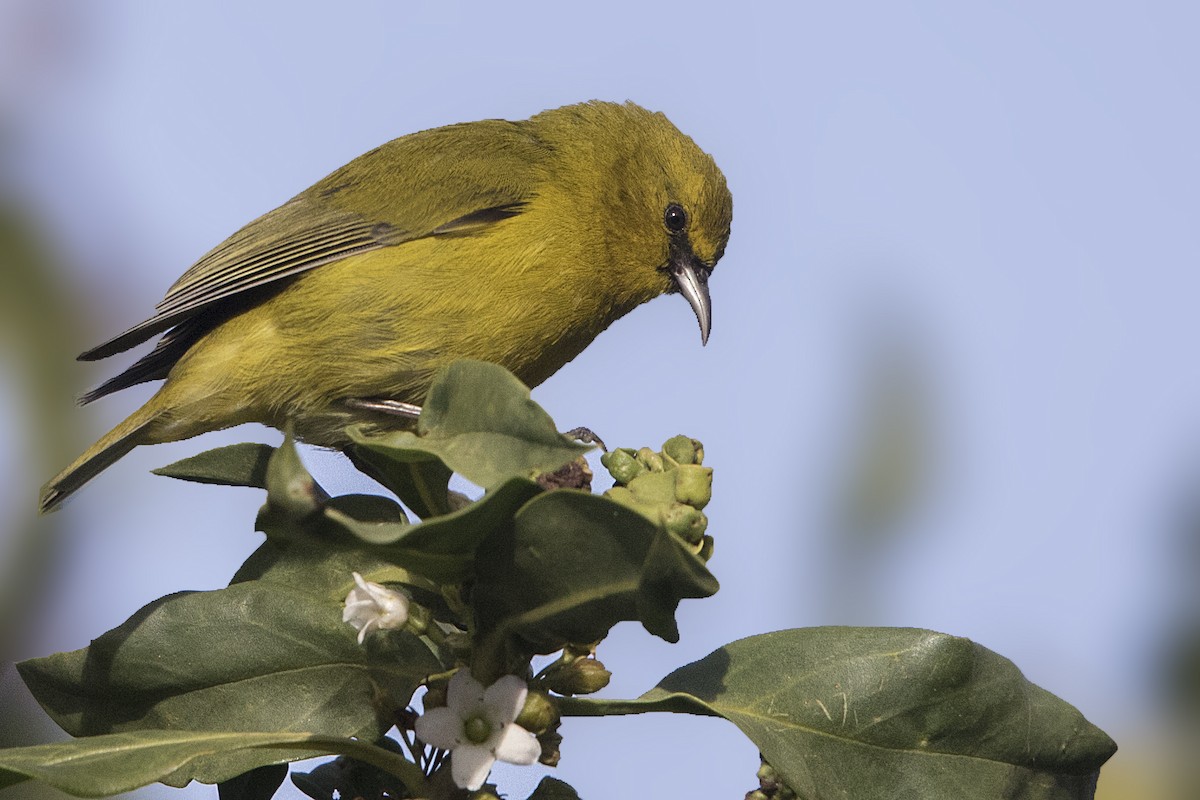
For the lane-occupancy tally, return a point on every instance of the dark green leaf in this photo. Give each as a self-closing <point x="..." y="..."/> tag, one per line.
<point x="442" y="548"/>
<point x="320" y="560"/>
<point x="554" y="789"/>
<point x="480" y="421"/>
<point x="367" y="509"/>
<point x="571" y="567"/>
<point x="260" y="783"/>
<point x="321" y="783"/>
<point x="350" y="778"/>
<point x="255" y="656"/>
<point x="236" y="465"/>
<point x="367" y="534"/>
<point x="870" y="713"/>
<point x="421" y="481"/>
<point x="100" y="766"/>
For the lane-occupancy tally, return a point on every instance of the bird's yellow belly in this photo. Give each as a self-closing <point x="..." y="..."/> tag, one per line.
<point x="376" y="326"/>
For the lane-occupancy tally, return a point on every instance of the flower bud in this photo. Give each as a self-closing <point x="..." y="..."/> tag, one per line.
<point x="622" y="495"/>
<point x="651" y="460"/>
<point x="683" y="450"/>
<point x="622" y="464"/>
<point x="373" y="607"/>
<point x="550" y="741"/>
<point x="685" y="522"/>
<point x="538" y="714"/>
<point x="291" y="490"/>
<point x="582" y="676"/>
<point x="770" y="784"/>
<point x="581" y="649"/>
<point x="654" y="488"/>
<point x="693" y="485"/>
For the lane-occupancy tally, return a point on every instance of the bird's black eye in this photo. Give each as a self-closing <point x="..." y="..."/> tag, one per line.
<point x="675" y="218"/>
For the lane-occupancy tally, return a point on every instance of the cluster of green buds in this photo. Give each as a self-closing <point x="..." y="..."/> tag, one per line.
<point x="670" y="488"/>
<point x="770" y="785"/>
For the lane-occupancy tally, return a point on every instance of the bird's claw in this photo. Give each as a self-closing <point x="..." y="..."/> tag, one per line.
<point x="587" y="436"/>
<point x="394" y="408"/>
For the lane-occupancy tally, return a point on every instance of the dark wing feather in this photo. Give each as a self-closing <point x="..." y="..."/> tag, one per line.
<point x="157" y="363"/>
<point x="265" y="251"/>
<point x="453" y="181"/>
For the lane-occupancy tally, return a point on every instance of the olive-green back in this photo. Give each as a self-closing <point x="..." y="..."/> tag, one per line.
<point x="619" y="163"/>
<point x="441" y="182"/>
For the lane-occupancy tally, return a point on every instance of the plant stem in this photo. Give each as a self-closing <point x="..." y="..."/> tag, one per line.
<point x="584" y="707"/>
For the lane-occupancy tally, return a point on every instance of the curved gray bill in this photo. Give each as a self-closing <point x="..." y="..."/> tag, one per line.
<point x="693" y="286"/>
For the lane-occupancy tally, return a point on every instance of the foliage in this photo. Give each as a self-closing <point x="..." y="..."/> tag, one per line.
<point x="225" y="686"/>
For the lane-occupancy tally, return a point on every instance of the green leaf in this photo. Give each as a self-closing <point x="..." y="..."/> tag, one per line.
<point x="367" y="534"/>
<point x="421" y="481"/>
<point x="236" y="465"/>
<point x="260" y="783"/>
<point x="320" y="559"/>
<point x="99" y="766"/>
<point x="371" y="511"/>
<point x="480" y="421"/>
<point x="443" y="548"/>
<point x="572" y="566"/>
<point x="252" y="657"/>
<point x="869" y="713"/>
<point x="351" y="778"/>
<point x="554" y="789"/>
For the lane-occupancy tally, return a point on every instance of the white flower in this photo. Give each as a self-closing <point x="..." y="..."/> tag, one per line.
<point x="370" y="607"/>
<point x="477" y="727"/>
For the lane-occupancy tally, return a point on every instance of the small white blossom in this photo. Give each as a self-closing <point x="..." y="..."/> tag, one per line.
<point x="370" y="607"/>
<point x="477" y="727"/>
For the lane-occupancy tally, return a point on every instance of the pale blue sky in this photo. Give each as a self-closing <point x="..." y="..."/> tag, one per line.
<point x="1006" y="193"/>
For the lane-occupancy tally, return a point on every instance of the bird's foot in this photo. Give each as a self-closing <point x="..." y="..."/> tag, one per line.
<point x="585" y="435"/>
<point x="397" y="408"/>
<point x="394" y="408"/>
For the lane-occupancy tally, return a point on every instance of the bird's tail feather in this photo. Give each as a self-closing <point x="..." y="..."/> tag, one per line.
<point x="103" y="454"/>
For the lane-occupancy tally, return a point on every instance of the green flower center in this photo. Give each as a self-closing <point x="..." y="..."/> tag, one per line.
<point x="477" y="729"/>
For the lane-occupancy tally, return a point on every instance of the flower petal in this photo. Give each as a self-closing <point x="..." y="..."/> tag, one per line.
<point x="440" y="727"/>
<point x="367" y="627"/>
<point x="504" y="699"/>
<point x="394" y="610"/>
<point x="464" y="695"/>
<point x="517" y="746"/>
<point x="356" y="610"/>
<point x="470" y="765"/>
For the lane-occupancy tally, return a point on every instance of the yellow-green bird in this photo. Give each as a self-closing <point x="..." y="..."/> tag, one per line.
<point x="510" y="242"/>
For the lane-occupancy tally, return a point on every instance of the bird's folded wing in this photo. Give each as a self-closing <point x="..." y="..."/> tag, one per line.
<point x="449" y="181"/>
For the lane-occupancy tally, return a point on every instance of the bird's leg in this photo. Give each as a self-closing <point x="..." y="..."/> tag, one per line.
<point x="410" y="411"/>
<point x="393" y="407"/>
<point x="585" y="435"/>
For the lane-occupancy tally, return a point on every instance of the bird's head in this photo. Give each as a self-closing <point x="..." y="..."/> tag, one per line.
<point x="655" y="202"/>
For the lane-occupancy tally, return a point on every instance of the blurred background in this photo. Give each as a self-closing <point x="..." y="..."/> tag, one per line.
<point x="952" y="380"/>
